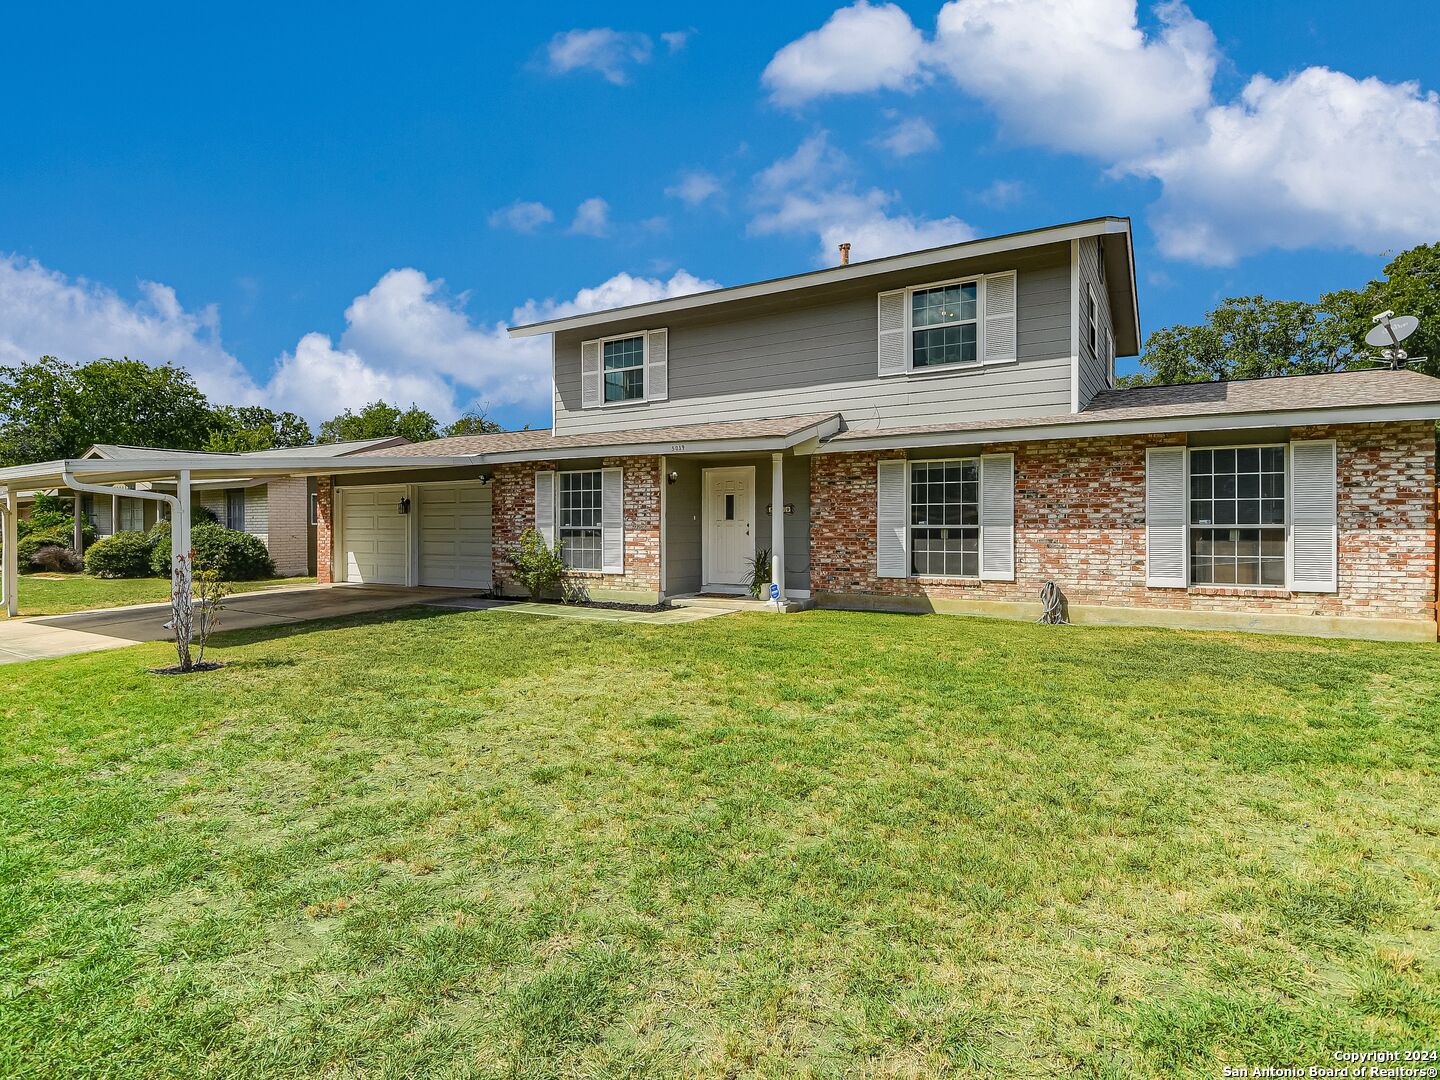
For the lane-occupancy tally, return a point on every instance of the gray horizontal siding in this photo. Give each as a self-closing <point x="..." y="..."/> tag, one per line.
<point x="1094" y="369"/>
<point x="821" y="355"/>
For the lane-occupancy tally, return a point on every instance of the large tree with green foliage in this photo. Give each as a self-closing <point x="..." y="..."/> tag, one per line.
<point x="1251" y="337"/>
<point x="473" y="423"/>
<point x="246" y="428"/>
<point x="380" y="420"/>
<point x="50" y="409"/>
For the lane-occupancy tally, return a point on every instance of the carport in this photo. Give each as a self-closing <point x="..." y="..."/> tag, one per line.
<point x="133" y="478"/>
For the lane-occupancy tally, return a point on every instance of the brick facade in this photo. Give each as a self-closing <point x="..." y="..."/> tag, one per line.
<point x="513" y="509"/>
<point x="287" y="513"/>
<point x="324" y="530"/>
<point x="1080" y="521"/>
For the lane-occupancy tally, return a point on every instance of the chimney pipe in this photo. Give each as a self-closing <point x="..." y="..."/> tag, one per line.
<point x="845" y="254"/>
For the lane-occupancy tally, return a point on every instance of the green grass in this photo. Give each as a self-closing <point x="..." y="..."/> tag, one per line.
<point x="482" y="844"/>
<point x="59" y="594"/>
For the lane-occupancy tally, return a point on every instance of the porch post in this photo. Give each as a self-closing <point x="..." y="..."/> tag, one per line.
<point x="114" y="514"/>
<point x="777" y="522"/>
<point x="10" y="578"/>
<point x="79" y="542"/>
<point x="180" y="550"/>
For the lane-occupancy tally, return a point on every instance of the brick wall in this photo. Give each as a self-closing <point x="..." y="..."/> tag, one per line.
<point x="1080" y="521"/>
<point x="325" y="529"/>
<point x="513" y="507"/>
<point x="287" y="524"/>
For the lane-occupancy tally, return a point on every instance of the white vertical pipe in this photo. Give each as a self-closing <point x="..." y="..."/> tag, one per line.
<point x="777" y="522"/>
<point x="180" y="545"/>
<point x="11" y="575"/>
<point x="79" y="526"/>
<point x="114" y="514"/>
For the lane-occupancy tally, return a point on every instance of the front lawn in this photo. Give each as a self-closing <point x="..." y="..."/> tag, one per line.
<point x="60" y="594"/>
<point x="483" y="844"/>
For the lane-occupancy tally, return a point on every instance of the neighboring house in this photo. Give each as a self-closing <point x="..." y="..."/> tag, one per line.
<point x="280" y="511"/>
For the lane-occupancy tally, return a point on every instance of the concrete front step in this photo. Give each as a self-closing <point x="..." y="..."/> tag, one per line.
<point x="735" y="603"/>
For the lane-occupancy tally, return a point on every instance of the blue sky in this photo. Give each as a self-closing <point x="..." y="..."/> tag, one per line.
<point x="310" y="207"/>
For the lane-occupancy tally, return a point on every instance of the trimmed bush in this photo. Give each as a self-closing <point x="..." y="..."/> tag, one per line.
<point x="124" y="555"/>
<point x="159" y="539"/>
<point x="53" y="559"/>
<point x="202" y="515"/>
<point x="236" y="556"/>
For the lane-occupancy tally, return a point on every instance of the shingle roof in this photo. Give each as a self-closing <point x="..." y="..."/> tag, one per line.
<point x="1337" y="390"/>
<point x="521" y="441"/>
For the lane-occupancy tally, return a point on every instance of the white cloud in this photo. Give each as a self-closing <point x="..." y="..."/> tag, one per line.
<point x="1316" y="158"/>
<point x="610" y="53"/>
<point x="622" y="290"/>
<point x="810" y="192"/>
<point x="1080" y="75"/>
<point x="675" y="40"/>
<point x="860" y="48"/>
<point x="47" y="313"/>
<point x="695" y="187"/>
<point x="524" y="217"/>
<point x="319" y="380"/>
<point x="592" y="218"/>
<point x="910" y="136"/>
<point x="1002" y="193"/>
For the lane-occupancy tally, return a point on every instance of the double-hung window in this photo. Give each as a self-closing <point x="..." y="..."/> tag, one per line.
<point x="1092" y="321"/>
<point x="944" y="322"/>
<point x="235" y="509"/>
<point x="624" y="369"/>
<point x="132" y="515"/>
<point x="945" y="518"/>
<point x="1237" y="516"/>
<point x="580" y="519"/>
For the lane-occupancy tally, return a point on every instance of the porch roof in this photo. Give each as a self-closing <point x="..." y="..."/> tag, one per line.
<point x="1290" y="401"/>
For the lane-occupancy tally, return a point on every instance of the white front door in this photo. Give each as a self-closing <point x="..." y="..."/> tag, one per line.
<point x="729" y="526"/>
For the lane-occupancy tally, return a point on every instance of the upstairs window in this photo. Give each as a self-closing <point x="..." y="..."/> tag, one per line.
<point x="1091" y="322"/>
<point x="1237" y="516"/>
<point x="580" y="519"/>
<point x="944" y="325"/>
<point x="625" y="369"/>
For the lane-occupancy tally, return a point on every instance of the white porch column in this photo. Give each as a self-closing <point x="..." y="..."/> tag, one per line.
<point x="114" y="514"/>
<point x="79" y="542"/>
<point x="10" y="578"/>
<point x="180" y="547"/>
<point x="777" y="522"/>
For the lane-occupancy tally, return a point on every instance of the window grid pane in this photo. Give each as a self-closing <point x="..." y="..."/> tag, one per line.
<point x="625" y="369"/>
<point x="1237" y="516"/>
<point x="943" y="324"/>
<point x="580" y="519"/>
<point x="945" y="518"/>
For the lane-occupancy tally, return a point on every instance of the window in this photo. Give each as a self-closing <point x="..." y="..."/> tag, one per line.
<point x="579" y="525"/>
<point x="943" y="325"/>
<point x="235" y="509"/>
<point x="1091" y="321"/>
<point x="132" y="515"/>
<point x="87" y="508"/>
<point x="314" y="508"/>
<point x="1237" y="516"/>
<point x="945" y="518"/>
<point x="624" y="369"/>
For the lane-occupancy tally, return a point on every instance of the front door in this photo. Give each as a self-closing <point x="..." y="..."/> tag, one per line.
<point x="729" y="526"/>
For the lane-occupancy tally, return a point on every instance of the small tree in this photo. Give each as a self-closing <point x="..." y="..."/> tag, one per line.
<point x="211" y="592"/>
<point x="537" y="565"/>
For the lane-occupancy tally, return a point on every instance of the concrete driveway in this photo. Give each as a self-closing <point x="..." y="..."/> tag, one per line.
<point x="88" y="631"/>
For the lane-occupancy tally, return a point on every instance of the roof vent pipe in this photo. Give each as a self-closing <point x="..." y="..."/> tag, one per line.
<point x="845" y="254"/>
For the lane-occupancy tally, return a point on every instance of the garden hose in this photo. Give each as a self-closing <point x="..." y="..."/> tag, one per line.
<point x="1053" y="605"/>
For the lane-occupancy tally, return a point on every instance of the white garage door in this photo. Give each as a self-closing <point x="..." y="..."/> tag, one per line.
<point x="455" y="536"/>
<point x="374" y="535"/>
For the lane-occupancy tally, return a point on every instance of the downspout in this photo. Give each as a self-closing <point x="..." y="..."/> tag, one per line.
<point x="179" y="530"/>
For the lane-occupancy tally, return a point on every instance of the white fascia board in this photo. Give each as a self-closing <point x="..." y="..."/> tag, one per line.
<point x="211" y="466"/>
<point x="1359" y="414"/>
<point x="914" y="260"/>
<point x="747" y="444"/>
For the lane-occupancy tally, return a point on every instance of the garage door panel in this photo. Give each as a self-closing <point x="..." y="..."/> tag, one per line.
<point x="455" y="536"/>
<point x="374" y="535"/>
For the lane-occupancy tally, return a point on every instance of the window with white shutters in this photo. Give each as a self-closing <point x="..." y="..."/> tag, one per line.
<point x="948" y="324"/>
<point x="949" y="518"/>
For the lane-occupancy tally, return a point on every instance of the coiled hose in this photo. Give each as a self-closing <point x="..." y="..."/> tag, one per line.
<point x="1053" y="605"/>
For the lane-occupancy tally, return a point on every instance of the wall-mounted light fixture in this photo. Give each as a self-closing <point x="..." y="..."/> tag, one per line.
<point x="770" y="509"/>
<point x="485" y="478"/>
<point x="674" y="476"/>
<point x="404" y="506"/>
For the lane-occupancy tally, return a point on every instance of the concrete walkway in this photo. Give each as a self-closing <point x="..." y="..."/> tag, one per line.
<point x="49" y="636"/>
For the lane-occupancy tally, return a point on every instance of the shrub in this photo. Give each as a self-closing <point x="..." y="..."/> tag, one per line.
<point x="760" y="574"/>
<point x="159" y="540"/>
<point x="235" y="556"/>
<point x="31" y="551"/>
<point x="123" y="555"/>
<point x="54" y="559"/>
<point x="537" y="566"/>
<point x="202" y="515"/>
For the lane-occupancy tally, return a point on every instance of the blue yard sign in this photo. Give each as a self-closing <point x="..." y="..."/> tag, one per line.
<point x="774" y="591"/>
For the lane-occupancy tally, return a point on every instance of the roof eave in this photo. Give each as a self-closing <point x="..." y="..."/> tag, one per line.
<point x="821" y="429"/>
<point x="1099" y="428"/>
<point x="858" y="271"/>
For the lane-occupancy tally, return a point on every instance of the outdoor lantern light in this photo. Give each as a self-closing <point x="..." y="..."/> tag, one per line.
<point x="404" y="506"/>
<point x="672" y="478"/>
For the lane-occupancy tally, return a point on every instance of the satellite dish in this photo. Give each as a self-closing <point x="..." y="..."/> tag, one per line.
<point x="1388" y="332"/>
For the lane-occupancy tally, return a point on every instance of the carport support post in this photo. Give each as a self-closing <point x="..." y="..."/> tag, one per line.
<point x="180" y="555"/>
<point x="777" y="524"/>
<point x="10" y="578"/>
<point x="79" y="525"/>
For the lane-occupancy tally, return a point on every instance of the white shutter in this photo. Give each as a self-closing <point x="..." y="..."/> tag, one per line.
<point x="1165" y="504"/>
<point x="1000" y="318"/>
<point x="590" y="396"/>
<point x="545" y="506"/>
<point x="894" y="359"/>
<point x="612" y="521"/>
<point x="997" y="517"/>
<point x="892" y="516"/>
<point x="657" y="365"/>
<point x="1313" y="534"/>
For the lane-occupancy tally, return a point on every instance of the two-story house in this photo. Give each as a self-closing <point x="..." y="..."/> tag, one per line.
<point x="933" y="431"/>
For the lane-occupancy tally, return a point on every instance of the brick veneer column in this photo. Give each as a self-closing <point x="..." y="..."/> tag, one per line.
<point x="1080" y="521"/>
<point x="324" y="529"/>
